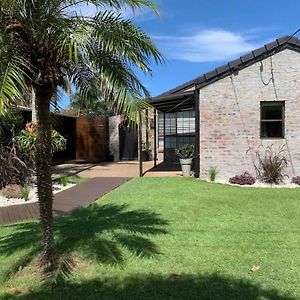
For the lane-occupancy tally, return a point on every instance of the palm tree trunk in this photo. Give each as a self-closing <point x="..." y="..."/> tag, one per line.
<point x="33" y="106"/>
<point x="43" y="169"/>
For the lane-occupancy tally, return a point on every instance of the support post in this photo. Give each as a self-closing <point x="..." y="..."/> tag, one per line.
<point x="164" y="137"/>
<point x="155" y="138"/>
<point x="140" y="144"/>
<point x="197" y="133"/>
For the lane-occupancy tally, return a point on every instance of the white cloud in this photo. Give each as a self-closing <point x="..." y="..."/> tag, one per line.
<point x="143" y="14"/>
<point x="206" y="45"/>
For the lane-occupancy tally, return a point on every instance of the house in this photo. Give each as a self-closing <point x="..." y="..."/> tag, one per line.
<point x="236" y="110"/>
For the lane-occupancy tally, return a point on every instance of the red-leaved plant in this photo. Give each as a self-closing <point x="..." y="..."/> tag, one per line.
<point x="243" y="179"/>
<point x="296" y="180"/>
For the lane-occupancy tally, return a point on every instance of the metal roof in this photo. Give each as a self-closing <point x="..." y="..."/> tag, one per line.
<point x="285" y="42"/>
<point x="174" y="102"/>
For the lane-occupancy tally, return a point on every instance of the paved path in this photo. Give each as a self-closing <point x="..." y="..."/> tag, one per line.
<point x="64" y="202"/>
<point x="105" y="169"/>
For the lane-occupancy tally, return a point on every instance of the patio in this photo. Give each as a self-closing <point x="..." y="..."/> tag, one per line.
<point x="118" y="169"/>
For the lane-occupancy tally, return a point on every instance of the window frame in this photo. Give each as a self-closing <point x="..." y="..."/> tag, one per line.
<point x="282" y="119"/>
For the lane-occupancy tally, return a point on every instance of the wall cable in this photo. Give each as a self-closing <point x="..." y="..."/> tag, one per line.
<point x="243" y="120"/>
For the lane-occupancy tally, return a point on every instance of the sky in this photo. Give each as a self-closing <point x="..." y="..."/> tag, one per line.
<point x="196" y="36"/>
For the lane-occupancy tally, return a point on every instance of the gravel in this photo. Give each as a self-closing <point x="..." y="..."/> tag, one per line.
<point x="258" y="184"/>
<point x="32" y="195"/>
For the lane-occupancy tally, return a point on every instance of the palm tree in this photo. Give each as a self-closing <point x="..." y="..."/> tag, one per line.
<point x="47" y="44"/>
<point x="91" y="105"/>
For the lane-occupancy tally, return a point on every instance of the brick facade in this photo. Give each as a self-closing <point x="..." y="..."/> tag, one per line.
<point x="230" y="126"/>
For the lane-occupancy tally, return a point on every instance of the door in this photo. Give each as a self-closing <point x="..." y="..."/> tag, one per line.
<point x="128" y="142"/>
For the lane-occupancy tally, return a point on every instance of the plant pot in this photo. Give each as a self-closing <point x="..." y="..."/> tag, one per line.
<point x="145" y="156"/>
<point x="186" y="166"/>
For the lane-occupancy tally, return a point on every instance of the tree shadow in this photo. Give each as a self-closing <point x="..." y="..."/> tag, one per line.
<point x="155" y="287"/>
<point x="97" y="232"/>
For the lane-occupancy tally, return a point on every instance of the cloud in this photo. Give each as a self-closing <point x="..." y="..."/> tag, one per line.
<point x="206" y="45"/>
<point x="144" y="14"/>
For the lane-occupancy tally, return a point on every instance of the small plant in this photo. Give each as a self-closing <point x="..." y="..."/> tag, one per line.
<point x="212" y="173"/>
<point x="185" y="152"/>
<point x="63" y="180"/>
<point x="296" y="180"/>
<point x="271" y="165"/>
<point x="25" y="191"/>
<point x="243" y="179"/>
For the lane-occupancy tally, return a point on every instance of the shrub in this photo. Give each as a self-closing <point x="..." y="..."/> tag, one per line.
<point x="27" y="139"/>
<point x="271" y="165"/>
<point x="185" y="151"/>
<point x="296" y="180"/>
<point x="212" y="173"/>
<point x="244" y="179"/>
<point x="16" y="167"/>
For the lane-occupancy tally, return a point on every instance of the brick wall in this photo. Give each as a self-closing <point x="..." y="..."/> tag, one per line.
<point x="229" y="128"/>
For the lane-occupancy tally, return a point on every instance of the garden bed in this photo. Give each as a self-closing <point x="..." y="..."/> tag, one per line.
<point x="60" y="184"/>
<point x="259" y="184"/>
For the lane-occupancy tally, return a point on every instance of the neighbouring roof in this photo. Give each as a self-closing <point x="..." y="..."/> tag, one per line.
<point x="24" y="108"/>
<point x="285" y="42"/>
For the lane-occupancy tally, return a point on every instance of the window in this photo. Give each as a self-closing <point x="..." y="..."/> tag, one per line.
<point x="272" y="119"/>
<point x="180" y="129"/>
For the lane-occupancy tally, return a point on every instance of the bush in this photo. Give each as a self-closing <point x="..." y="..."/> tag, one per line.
<point x="244" y="179"/>
<point x="271" y="165"/>
<point x="296" y="180"/>
<point x="212" y="173"/>
<point x="186" y="151"/>
<point x="27" y="139"/>
<point x="16" y="167"/>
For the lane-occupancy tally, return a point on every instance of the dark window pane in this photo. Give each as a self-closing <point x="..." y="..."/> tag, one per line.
<point x="271" y="112"/>
<point x="272" y="129"/>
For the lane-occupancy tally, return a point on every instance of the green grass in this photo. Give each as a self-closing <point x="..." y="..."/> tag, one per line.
<point x="166" y="238"/>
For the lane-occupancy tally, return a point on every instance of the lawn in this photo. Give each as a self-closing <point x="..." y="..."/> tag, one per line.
<point x="165" y="238"/>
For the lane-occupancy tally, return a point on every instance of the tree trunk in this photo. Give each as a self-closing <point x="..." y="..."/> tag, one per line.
<point x="33" y="106"/>
<point x="43" y="169"/>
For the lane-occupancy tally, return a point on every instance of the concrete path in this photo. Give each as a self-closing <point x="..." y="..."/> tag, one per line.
<point x="105" y="169"/>
<point x="64" y="202"/>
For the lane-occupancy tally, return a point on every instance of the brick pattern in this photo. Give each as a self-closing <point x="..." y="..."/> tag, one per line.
<point x="229" y="128"/>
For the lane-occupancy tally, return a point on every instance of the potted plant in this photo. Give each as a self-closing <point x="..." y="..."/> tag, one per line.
<point x="146" y="151"/>
<point x="186" y="154"/>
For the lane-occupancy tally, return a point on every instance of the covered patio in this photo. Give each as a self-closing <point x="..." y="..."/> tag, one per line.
<point x="176" y="123"/>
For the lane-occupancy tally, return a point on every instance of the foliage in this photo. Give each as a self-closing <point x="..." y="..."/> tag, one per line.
<point x="27" y="139"/>
<point x="90" y="105"/>
<point x="64" y="179"/>
<point x="214" y="235"/>
<point x="243" y="179"/>
<point x="11" y="123"/>
<point x="296" y="180"/>
<point x="25" y="191"/>
<point x="53" y="44"/>
<point x="271" y="165"/>
<point x="146" y="146"/>
<point x="16" y="167"/>
<point x="185" y="151"/>
<point x="212" y="173"/>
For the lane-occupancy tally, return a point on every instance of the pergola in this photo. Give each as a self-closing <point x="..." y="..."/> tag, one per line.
<point x="176" y="102"/>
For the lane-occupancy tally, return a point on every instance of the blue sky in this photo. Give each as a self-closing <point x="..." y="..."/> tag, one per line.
<point x="196" y="36"/>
